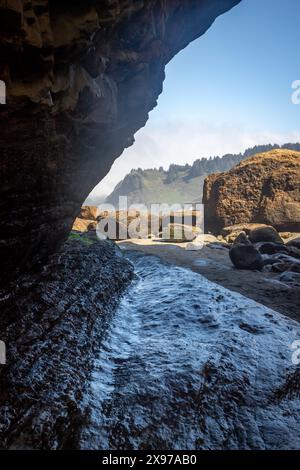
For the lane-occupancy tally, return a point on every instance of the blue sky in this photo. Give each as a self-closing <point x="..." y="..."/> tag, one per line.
<point x="228" y="90"/>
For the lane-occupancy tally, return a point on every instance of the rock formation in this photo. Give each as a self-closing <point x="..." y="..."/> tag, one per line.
<point x="81" y="78"/>
<point x="50" y="350"/>
<point x="263" y="189"/>
<point x="87" y="219"/>
<point x="264" y="249"/>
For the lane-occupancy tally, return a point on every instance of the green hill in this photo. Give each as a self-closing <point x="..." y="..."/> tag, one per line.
<point x="180" y="183"/>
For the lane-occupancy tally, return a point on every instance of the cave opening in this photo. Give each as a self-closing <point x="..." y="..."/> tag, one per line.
<point x="215" y="102"/>
<point x="222" y="95"/>
<point x="199" y="351"/>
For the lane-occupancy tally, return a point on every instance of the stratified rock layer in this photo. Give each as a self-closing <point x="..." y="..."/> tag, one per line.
<point x="51" y="323"/>
<point x="81" y="79"/>
<point x="263" y="189"/>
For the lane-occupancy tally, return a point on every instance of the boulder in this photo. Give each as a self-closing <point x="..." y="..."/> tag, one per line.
<point x="295" y="242"/>
<point x="89" y="212"/>
<point x="269" y="248"/>
<point x="240" y="228"/>
<point x="242" y="239"/>
<point x="263" y="189"/>
<point x="244" y="256"/>
<point x="83" y="225"/>
<point x="265" y="234"/>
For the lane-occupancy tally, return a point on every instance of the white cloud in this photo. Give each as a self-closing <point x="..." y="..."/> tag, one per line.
<point x="183" y="142"/>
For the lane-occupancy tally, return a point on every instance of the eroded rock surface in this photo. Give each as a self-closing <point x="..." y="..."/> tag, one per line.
<point x="199" y="368"/>
<point x="263" y="189"/>
<point x="51" y="324"/>
<point x="81" y="79"/>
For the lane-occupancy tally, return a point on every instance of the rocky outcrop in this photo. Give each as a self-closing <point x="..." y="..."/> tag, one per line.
<point x="81" y="78"/>
<point x="87" y="219"/>
<point x="51" y="323"/>
<point x="263" y="189"/>
<point x="89" y="213"/>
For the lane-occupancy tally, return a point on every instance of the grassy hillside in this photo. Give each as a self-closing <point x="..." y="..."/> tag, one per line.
<point x="180" y="183"/>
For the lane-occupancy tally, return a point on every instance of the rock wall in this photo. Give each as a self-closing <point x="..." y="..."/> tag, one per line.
<point x="263" y="189"/>
<point x="81" y="78"/>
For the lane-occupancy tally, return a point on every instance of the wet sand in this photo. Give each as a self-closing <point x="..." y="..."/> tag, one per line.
<point x="215" y="265"/>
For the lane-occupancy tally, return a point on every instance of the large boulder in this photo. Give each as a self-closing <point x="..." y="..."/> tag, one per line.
<point x="265" y="234"/>
<point x="262" y="189"/>
<point x="89" y="212"/>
